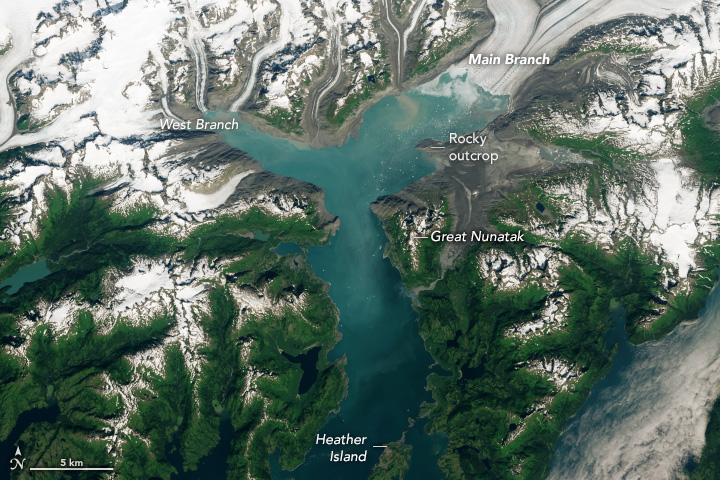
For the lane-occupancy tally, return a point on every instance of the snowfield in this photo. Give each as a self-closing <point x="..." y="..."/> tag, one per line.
<point x="85" y="89"/>
<point x="523" y="28"/>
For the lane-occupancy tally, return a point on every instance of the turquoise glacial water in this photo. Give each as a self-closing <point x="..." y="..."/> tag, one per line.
<point x="387" y="364"/>
<point x="29" y="274"/>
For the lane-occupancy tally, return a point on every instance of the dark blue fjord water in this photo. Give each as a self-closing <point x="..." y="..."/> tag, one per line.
<point x="387" y="364"/>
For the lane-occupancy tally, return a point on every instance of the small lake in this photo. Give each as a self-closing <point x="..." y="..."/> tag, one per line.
<point x="308" y="364"/>
<point x="387" y="364"/>
<point x="288" y="248"/>
<point x="29" y="274"/>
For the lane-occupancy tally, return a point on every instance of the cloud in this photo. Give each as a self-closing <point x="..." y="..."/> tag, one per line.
<point x="650" y="412"/>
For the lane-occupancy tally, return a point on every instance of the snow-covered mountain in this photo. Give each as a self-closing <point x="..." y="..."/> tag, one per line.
<point x="596" y="147"/>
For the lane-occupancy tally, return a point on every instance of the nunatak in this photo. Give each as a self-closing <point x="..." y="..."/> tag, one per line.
<point x="476" y="236"/>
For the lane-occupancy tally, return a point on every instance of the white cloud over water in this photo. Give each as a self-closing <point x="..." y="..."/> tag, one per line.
<point x="652" y="415"/>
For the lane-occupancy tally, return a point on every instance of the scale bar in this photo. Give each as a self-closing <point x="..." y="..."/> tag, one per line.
<point x="422" y="237"/>
<point x="379" y="446"/>
<point x="437" y="147"/>
<point x="60" y="469"/>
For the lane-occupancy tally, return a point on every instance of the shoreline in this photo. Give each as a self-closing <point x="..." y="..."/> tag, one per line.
<point x="351" y="127"/>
